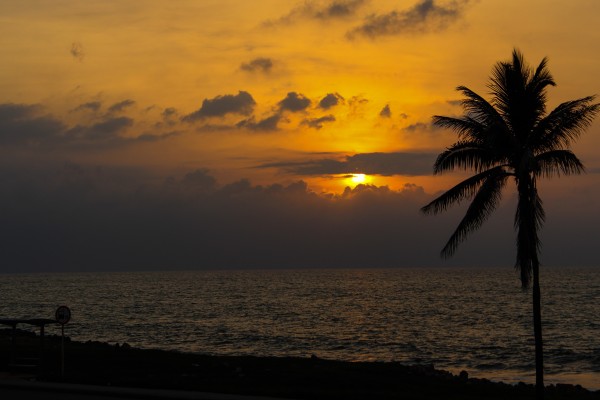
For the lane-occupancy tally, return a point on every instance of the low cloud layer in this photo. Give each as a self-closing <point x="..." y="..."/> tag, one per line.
<point x="91" y="218"/>
<point x="72" y="217"/>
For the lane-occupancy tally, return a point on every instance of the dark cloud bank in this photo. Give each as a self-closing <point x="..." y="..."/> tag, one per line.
<point x="387" y="164"/>
<point x="92" y="218"/>
<point x="26" y="126"/>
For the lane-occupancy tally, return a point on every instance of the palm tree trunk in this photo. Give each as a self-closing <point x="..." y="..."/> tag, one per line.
<point x="528" y="218"/>
<point x="537" y="331"/>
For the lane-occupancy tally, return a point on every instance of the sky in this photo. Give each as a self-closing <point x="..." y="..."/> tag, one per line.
<point x="268" y="134"/>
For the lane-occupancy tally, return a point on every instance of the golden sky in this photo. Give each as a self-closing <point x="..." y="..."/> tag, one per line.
<point x="272" y="91"/>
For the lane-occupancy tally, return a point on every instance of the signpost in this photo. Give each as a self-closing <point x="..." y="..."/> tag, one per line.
<point x="62" y="316"/>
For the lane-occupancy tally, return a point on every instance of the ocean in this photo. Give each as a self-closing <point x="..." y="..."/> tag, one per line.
<point x="478" y="320"/>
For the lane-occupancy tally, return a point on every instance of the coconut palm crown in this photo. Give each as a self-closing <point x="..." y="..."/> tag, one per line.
<point x="511" y="136"/>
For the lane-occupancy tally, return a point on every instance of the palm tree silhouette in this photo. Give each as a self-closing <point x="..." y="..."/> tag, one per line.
<point x="511" y="136"/>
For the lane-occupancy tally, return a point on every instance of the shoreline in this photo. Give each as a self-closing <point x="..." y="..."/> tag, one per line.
<point x="114" y="365"/>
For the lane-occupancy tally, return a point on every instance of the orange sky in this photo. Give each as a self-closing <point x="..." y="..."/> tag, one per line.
<point x="161" y="55"/>
<point x="272" y="91"/>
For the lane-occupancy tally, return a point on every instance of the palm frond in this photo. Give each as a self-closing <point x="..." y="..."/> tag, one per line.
<point x="542" y="76"/>
<point x="529" y="219"/>
<point x="465" y="154"/>
<point x="539" y="214"/>
<point x="564" y="124"/>
<point x="480" y="109"/>
<point x="463" y="190"/>
<point x="536" y="87"/>
<point x="465" y="127"/>
<point x="557" y="162"/>
<point x="500" y="87"/>
<point x="483" y="205"/>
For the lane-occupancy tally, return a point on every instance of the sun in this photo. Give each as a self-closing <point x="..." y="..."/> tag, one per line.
<point x="359" y="178"/>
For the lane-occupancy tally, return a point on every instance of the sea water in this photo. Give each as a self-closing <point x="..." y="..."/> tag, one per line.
<point x="478" y="320"/>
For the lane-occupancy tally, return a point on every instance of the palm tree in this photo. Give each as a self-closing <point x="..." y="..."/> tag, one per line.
<point x="511" y="136"/>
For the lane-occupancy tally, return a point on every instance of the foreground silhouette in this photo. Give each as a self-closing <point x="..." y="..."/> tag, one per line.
<point x="512" y="137"/>
<point x="107" y="367"/>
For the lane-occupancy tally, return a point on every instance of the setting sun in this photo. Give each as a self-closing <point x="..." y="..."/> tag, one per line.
<point x="359" y="178"/>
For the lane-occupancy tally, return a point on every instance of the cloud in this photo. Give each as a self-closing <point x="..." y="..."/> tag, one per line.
<point x="330" y="100"/>
<point x="169" y="112"/>
<point x="241" y="103"/>
<point x="266" y="124"/>
<point x="149" y="137"/>
<point x="424" y="17"/>
<point x="419" y="127"/>
<point x="200" y="179"/>
<point x="385" y="112"/>
<point x="77" y="51"/>
<point x="317" y="123"/>
<point x="29" y="127"/>
<point x="294" y="102"/>
<point x="120" y="106"/>
<point x="331" y="10"/>
<point x="339" y="9"/>
<point x="23" y="124"/>
<point x="260" y="64"/>
<point x="357" y="104"/>
<point x="387" y="164"/>
<point x="12" y="111"/>
<point x="109" y="129"/>
<point x="91" y="106"/>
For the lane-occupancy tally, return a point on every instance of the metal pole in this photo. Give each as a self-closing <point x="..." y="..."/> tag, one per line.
<point x="62" y="351"/>
<point x="41" y="347"/>
<point x="13" y="343"/>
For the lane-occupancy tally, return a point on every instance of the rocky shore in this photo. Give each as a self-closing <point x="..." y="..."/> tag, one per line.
<point x="100" y="363"/>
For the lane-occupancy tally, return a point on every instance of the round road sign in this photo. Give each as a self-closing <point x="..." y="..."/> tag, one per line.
<point x="62" y="315"/>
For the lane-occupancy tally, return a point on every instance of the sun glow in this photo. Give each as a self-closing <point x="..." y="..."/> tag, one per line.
<point x="358" y="178"/>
